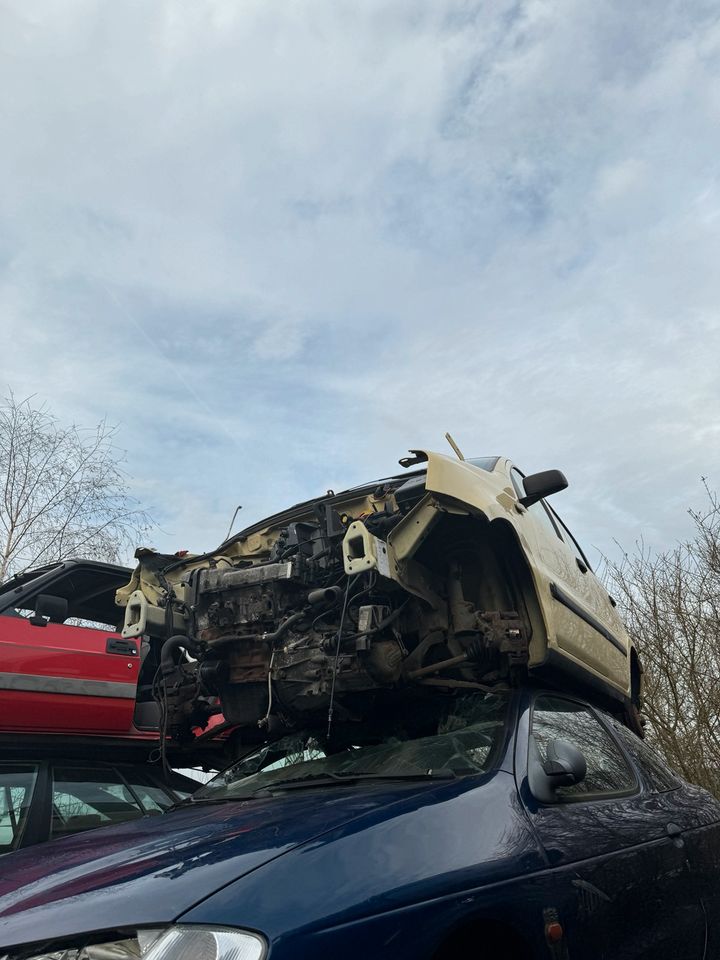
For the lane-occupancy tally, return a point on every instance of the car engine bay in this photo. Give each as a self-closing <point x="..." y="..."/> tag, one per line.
<point x="350" y="608"/>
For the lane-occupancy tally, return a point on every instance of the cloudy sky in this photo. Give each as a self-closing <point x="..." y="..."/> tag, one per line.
<point x="278" y="243"/>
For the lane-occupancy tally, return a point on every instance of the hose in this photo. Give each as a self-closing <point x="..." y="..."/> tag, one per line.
<point x="264" y="637"/>
<point x="167" y="654"/>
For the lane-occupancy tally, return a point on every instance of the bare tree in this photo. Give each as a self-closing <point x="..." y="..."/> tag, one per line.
<point x="62" y="491"/>
<point x="671" y="604"/>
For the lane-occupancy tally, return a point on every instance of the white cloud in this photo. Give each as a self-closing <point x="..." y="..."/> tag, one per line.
<point x="281" y="244"/>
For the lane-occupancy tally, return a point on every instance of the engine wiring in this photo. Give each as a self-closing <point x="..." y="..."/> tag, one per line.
<point x="337" y="655"/>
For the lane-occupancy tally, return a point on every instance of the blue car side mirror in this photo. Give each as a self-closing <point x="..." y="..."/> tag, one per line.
<point x="564" y="766"/>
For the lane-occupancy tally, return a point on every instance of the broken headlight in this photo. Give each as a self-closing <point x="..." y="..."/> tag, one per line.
<point x="173" y="943"/>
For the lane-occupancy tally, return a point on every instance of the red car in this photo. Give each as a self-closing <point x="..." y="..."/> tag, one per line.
<point x="78" y="715"/>
<point x="67" y="677"/>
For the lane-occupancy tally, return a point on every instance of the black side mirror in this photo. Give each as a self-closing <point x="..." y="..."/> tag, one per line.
<point x="565" y="765"/>
<point x="47" y="608"/>
<point x="540" y="485"/>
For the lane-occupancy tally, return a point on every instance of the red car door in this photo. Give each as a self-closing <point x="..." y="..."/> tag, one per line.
<point x="59" y="678"/>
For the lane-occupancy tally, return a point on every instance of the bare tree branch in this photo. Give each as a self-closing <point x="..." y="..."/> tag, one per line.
<point x="63" y="492"/>
<point x="671" y="604"/>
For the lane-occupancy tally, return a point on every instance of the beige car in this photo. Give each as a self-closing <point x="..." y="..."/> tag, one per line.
<point x="455" y="576"/>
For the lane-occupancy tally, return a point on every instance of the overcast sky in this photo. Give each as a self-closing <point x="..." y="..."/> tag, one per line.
<point x="279" y="243"/>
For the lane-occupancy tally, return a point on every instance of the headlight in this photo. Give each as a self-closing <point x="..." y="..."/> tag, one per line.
<point x="174" y="943"/>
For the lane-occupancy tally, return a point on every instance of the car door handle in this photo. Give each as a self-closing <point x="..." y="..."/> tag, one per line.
<point x="126" y="648"/>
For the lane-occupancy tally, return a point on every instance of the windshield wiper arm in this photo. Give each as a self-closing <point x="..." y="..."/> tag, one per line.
<point x="332" y="779"/>
<point x="227" y="798"/>
<point x="441" y="774"/>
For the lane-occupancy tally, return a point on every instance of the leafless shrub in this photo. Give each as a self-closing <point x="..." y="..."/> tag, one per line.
<point x="671" y="604"/>
<point x="63" y="492"/>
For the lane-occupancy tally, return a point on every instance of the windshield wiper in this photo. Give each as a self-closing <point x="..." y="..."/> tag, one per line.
<point x="332" y="779"/>
<point x="311" y="780"/>
<point x="227" y="798"/>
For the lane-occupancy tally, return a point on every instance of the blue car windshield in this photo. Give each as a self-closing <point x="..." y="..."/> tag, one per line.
<point x="447" y="737"/>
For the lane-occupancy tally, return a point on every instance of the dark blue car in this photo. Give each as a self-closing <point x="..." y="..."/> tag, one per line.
<point x="507" y="824"/>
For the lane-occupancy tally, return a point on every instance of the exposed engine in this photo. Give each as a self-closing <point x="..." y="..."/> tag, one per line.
<point x="338" y="611"/>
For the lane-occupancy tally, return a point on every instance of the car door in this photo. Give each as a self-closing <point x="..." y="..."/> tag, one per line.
<point x="696" y="814"/>
<point x="64" y="677"/>
<point x="621" y="871"/>
<point x="581" y="619"/>
<point x="585" y="585"/>
<point x="698" y="811"/>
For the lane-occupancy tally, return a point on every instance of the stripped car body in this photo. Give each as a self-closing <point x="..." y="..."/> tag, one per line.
<point x="355" y="607"/>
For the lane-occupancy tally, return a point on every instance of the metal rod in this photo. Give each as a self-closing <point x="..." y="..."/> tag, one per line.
<point x="437" y="667"/>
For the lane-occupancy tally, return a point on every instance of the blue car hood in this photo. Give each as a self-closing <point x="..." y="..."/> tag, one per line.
<point x="153" y="870"/>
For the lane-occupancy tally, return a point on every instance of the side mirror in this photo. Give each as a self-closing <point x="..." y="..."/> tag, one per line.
<point x="47" y="608"/>
<point x="565" y="765"/>
<point x="540" y="485"/>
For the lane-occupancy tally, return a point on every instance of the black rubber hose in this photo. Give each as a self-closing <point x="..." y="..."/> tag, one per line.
<point x="167" y="654"/>
<point x="324" y="595"/>
<point x="266" y="637"/>
<point x="272" y="637"/>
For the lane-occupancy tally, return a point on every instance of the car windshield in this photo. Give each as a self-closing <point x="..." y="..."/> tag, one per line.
<point x="458" y="737"/>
